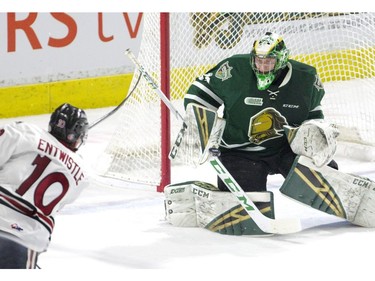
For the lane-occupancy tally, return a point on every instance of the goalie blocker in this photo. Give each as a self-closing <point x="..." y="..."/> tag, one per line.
<point x="326" y="189"/>
<point x="200" y="204"/>
<point x="201" y="130"/>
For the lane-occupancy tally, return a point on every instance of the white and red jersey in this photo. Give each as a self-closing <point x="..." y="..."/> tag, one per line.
<point x="38" y="176"/>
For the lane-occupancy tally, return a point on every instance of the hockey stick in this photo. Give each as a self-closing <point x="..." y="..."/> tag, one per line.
<point x="96" y="122"/>
<point x="166" y="101"/>
<point x="153" y="84"/>
<point x="265" y="224"/>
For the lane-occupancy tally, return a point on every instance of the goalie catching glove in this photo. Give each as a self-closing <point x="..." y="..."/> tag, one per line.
<point x="315" y="139"/>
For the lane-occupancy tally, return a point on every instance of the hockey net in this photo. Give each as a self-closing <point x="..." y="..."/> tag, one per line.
<point x="340" y="45"/>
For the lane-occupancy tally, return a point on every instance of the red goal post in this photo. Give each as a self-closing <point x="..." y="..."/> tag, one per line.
<point x="178" y="47"/>
<point x="165" y="164"/>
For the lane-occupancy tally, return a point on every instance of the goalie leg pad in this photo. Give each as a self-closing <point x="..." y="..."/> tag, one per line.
<point x="179" y="205"/>
<point x="331" y="191"/>
<point x="214" y="210"/>
<point x="221" y="212"/>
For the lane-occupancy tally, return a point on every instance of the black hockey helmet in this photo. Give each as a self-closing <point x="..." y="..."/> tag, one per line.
<point x="69" y="125"/>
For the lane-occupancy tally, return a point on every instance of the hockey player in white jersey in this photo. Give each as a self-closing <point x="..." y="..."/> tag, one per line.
<point x="40" y="172"/>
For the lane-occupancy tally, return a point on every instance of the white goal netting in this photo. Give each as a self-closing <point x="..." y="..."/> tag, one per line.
<point x="340" y="45"/>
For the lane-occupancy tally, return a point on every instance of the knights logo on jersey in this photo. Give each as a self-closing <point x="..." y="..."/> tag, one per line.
<point x="318" y="84"/>
<point x="265" y="125"/>
<point x="223" y="72"/>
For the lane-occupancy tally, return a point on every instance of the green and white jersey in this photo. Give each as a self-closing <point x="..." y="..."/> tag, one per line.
<point x="255" y="118"/>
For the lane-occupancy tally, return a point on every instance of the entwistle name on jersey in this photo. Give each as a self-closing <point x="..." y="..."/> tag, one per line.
<point x="63" y="157"/>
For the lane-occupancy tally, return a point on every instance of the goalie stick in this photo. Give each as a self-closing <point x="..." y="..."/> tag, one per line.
<point x="266" y="224"/>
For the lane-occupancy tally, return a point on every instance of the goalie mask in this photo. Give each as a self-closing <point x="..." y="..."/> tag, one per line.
<point x="69" y="125"/>
<point x="267" y="58"/>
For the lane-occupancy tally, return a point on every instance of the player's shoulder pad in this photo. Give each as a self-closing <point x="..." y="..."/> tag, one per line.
<point x="302" y="67"/>
<point x="235" y="59"/>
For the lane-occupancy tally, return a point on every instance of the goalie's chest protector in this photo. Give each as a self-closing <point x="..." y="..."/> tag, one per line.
<point x="258" y="116"/>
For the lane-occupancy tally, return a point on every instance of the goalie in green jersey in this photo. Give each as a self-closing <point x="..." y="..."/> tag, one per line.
<point x="272" y="123"/>
<point x="262" y="93"/>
